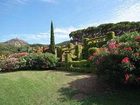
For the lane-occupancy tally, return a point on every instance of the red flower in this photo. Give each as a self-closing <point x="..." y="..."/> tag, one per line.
<point x="90" y="58"/>
<point x="112" y="45"/>
<point x="128" y="49"/>
<point x="125" y="60"/>
<point x="127" y="77"/>
<point x="137" y="38"/>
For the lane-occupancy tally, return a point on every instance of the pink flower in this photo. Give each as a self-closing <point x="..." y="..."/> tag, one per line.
<point x="127" y="76"/>
<point x="112" y="45"/>
<point x="128" y="49"/>
<point x="125" y="60"/>
<point x="90" y="58"/>
<point x="137" y="38"/>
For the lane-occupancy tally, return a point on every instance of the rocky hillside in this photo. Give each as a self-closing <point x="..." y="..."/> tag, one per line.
<point x="119" y="29"/>
<point x="16" y="42"/>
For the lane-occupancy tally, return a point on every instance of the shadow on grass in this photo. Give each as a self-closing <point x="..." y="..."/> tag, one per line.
<point x="12" y="71"/>
<point x="90" y="91"/>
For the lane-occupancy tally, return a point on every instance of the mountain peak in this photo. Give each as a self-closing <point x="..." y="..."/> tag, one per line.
<point x="16" y="42"/>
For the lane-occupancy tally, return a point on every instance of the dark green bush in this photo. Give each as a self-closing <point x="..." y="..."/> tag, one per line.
<point x="92" y="50"/>
<point x="108" y="68"/>
<point x="110" y="35"/>
<point x="128" y="37"/>
<point x="75" y="66"/>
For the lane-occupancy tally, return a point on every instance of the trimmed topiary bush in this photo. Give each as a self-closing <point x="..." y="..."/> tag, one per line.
<point x="68" y="57"/>
<point x="92" y="50"/>
<point x="78" y="51"/>
<point x="110" y="35"/>
<point x="75" y="66"/>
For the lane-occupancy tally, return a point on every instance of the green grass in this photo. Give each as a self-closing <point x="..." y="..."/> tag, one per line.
<point x="53" y="88"/>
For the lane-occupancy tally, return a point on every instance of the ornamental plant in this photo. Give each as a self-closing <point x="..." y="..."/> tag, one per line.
<point x="120" y="62"/>
<point x="38" y="61"/>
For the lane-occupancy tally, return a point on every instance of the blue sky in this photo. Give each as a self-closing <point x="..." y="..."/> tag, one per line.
<point x="30" y="19"/>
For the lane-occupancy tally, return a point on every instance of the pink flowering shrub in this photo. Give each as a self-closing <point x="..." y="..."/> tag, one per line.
<point x="119" y="63"/>
<point x="32" y="61"/>
<point x="12" y="62"/>
<point x="9" y="64"/>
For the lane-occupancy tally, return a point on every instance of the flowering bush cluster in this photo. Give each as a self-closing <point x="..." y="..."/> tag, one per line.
<point x="20" y="61"/>
<point x="119" y="61"/>
<point x="38" y="61"/>
<point x="11" y="62"/>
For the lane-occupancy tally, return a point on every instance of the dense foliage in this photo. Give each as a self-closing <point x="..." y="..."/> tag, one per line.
<point x="118" y="61"/>
<point x="6" y="49"/>
<point x="32" y="61"/>
<point x="39" y="61"/>
<point x="75" y="66"/>
<point x="119" y="29"/>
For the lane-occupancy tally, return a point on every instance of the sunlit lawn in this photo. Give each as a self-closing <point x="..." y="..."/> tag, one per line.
<point x="51" y="88"/>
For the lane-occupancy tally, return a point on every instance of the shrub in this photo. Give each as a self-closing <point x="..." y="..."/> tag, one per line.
<point x="68" y="57"/>
<point x="110" y="35"/>
<point x="120" y="63"/>
<point x="92" y="50"/>
<point x="12" y="62"/>
<point x="9" y="64"/>
<point x="108" y="68"/>
<point x="20" y="61"/>
<point x="129" y="37"/>
<point x="78" y="51"/>
<point x="78" y="66"/>
<point x="39" y="61"/>
<point x="70" y="45"/>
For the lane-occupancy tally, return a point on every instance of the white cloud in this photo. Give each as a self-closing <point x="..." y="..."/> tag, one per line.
<point x="129" y="10"/>
<point x="61" y="34"/>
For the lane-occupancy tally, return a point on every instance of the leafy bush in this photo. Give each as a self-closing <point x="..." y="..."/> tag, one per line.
<point x="38" y="61"/>
<point x="108" y="68"/>
<point x="78" y="51"/>
<point x="75" y="66"/>
<point x="78" y="66"/>
<point x="110" y="35"/>
<point x="26" y="61"/>
<point x="129" y="37"/>
<point x="92" y="50"/>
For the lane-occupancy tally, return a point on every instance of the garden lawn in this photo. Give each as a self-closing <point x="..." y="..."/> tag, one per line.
<point x="58" y="88"/>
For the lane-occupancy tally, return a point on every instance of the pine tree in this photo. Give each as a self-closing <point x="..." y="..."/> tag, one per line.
<point x="52" y="39"/>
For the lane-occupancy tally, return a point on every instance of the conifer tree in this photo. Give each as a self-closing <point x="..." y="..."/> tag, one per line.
<point x="52" y="39"/>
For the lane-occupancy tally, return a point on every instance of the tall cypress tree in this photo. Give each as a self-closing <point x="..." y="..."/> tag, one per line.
<point x="52" y="39"/>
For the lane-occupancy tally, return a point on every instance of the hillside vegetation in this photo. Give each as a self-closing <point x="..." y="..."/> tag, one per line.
<point x="101" y="30"/>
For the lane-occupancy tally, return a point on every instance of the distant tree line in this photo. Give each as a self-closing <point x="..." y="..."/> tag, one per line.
<point x="101" y="30"/>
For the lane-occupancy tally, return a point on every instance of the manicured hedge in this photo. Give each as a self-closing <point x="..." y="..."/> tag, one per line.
<point x="75" y="66"/>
